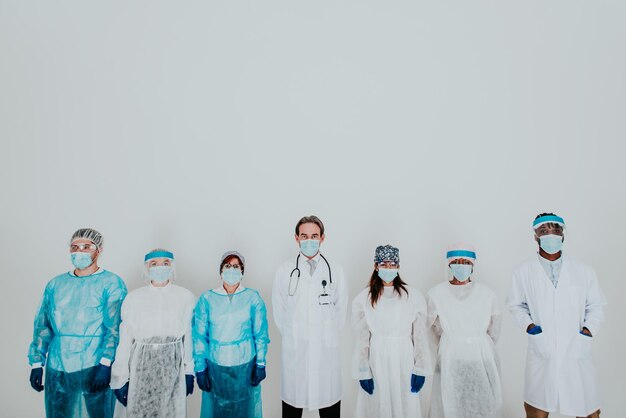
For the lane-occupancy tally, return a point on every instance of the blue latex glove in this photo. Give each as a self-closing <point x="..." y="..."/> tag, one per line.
<point x="258" y="374"/>
<point x="122" y="394"/>
<point x="36" y="378"/>
<point x="101" y="378"/>
<point x="535" y="330"/>
<point x="367" y="385"/>
<point x="417" y="382"/>
<point x="189" y="382"/>
<point x="203" y="380"/>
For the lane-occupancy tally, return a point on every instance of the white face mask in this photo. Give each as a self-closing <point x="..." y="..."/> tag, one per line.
<point x="232" y="276"/>
<point x="160" y="274"/>
<point x="310" y="247"/>
<point x="551" y="244"/>
<point x="461" y="272"/>
<point x="388" y="275"/>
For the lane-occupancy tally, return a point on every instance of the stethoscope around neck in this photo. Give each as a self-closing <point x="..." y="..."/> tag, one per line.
<point x="297" y="270"/>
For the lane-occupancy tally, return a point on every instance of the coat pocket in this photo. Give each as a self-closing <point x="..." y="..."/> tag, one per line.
<point x="538" y="346"/>
<point x="583" y="346"/>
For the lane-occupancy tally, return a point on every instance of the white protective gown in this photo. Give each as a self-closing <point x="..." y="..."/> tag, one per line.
<point x="466" y="320"/>
<point x="559" y="374"/>
<point x="311" y="363"/>
<point x="155" y="351"/>
<point x="391" y="345"/>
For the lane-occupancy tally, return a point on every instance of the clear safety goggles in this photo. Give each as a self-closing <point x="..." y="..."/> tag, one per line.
<point x="89" y="247"/>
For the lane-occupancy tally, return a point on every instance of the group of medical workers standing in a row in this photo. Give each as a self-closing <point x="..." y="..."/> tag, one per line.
<point x="107" y="353"/>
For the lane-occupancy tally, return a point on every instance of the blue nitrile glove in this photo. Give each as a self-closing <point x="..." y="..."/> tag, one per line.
<point x="258" y="374"/>
<point x="417" y="382"/>
<point x="203" y="380"/>
<point x="189" y="382"/>
<point x="36" y="378"/>
<point x="367" y="385"/>
<point x="535" y="330"/>
<point x="122" y="394"/>
<point x="101" y="378"/>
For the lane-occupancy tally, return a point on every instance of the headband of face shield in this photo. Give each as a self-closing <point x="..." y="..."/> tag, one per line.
<point x="548" y="219"/>
<point x="159" y="273"/>
<point x="462" y="251"/>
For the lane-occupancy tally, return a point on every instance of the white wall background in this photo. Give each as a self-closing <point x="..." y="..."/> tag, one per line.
<point x="204" y="126"/>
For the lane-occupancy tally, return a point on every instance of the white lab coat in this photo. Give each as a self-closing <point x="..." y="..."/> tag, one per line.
<point x="150" y="312"/>
<point x="466" y="320"/>
<point x="311" y="364"/>
<point x="559" y="374"/>
<point x="391" y="344"/>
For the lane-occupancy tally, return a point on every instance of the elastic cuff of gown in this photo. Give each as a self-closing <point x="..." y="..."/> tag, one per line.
<point x="36" y="365"/>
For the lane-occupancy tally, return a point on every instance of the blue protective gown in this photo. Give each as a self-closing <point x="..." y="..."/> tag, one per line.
<point x="77" y="326"/>
<point x="230" y="335"/>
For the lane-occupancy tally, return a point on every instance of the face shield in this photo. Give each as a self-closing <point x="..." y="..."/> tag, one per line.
<point x="159" y="266"/>
<point x="460" y="261"/>
<point x="549" y="232"/>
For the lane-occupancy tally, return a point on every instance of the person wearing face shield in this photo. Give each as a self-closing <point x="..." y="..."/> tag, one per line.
<point x="392" y="357"/>
<point x="76" y="332"/>
<point x="230" y="345"/>
<point x="465" y="319"/>
<point x="310" y="299"/>
<point x="558" y="303"/>
<point x="153" y="370"/>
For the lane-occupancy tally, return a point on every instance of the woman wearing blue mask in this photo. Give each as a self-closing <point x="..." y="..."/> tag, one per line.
<point x="391" y="356"/>
<point x="465" y="319"/>
<point x="153" y="370"/>
<point x="230" y="344"/>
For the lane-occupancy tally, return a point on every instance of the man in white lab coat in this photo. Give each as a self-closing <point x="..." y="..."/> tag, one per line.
<point x="310" y="299"/>
<point x="558" y="302"/>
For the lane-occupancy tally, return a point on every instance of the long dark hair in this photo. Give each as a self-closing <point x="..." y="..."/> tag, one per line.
<point x="377" y="287"/>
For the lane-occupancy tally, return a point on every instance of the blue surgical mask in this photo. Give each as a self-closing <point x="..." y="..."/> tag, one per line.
<point x="160" y="274"/>
<point x="551" y="244"/>
<point x="461" y="272"/>
<point x="310" y="247"/>
<point x="81" y="260"/>
<point x="388" y="275"/>
<point x="232" y="276"/>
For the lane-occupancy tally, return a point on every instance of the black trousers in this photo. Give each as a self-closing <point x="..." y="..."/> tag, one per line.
<point x="333" y="411"/>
